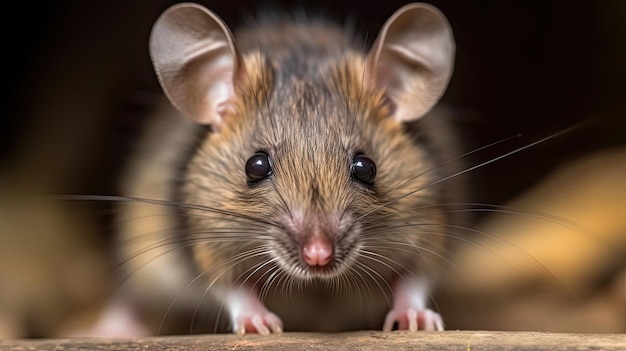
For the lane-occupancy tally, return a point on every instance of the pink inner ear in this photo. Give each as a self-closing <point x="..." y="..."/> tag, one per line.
<point x="225" y="108"/>
<point x="211" y="94"/>
<point x="383" y="77"/>
<point x="384" y="80"/>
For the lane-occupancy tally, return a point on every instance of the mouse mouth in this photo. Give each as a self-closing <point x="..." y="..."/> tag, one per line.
<point x="327" y="271"/>
<point x="316" y="248"/>
<point x="296" y="266"/>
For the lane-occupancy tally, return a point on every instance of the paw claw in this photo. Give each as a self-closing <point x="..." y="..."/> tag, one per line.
<point x="275" y="324"/>
<point x="413" y="320"/>
<point x="411" y="314"/>
<point x="257" y="323"/>
<point x="240" y="326"/>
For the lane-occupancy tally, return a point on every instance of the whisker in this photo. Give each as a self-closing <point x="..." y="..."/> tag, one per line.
<point x="246" y="221"/>
<point x="256" y="252"/>
<point x="439" y="261"/>
<point x="362" y="253"/>
<point x="164" y="243"/>
<point x="551" y="218"/>
<point x="226" y="235"/>
<point x="492" y="236"/>
<point x="173" y="241"/>
<point x="217" y="318"/>
<point x="265" y="288"/>
<point x="454" y="159"/>
<point x="492" y="208"/>
<point x="467" y="170"/>
<point x="287" y="293"/>
<point x="167" y="203"/>
<point x="259" y="267"/>
<point x="236" y="259"/>
<point x="369" y="271"/>
<point x="419" y="250"/>
<point x="344" y="285"/>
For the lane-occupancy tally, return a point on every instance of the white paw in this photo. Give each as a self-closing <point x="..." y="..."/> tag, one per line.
<point x="413" y="320"/>
<point x="249" y="315"/>
<point x="263" y="323"/>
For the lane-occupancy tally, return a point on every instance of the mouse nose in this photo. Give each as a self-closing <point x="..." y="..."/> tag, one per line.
<point x="317" y="251"/>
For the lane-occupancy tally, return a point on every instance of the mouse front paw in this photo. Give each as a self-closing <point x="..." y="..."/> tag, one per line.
<point x="249" y="315"/>
<point x="262" y="322"/>
<point x="413" y="320"/>
<point x="409" y="310"/>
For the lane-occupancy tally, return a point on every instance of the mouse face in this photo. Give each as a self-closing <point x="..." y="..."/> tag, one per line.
<point x="311" y="173"/>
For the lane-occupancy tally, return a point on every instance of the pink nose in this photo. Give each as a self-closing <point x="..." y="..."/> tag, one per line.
<point x="317" y="252"/>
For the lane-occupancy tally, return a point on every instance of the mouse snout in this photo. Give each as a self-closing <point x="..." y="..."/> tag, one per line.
<point x="317" y="250"/>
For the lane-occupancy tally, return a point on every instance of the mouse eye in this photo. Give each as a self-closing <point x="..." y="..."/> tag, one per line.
<point x="363" y="169"/>
<point x="258" y="167"/>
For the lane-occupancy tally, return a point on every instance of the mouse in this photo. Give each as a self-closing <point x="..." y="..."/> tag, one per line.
<point x="287" y="183"/>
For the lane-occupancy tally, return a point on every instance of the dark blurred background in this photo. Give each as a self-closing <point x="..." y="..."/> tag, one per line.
<point x="80" y="84"/>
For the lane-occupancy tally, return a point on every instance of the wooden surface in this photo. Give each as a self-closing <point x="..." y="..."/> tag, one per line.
<point x="449" y="340"/>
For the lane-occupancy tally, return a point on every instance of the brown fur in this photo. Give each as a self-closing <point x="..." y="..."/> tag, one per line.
<point x="311" y="124"/>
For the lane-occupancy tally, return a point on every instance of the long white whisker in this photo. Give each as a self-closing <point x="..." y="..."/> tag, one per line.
<point x="236" y="260"/>
<point x="467" y="170"/>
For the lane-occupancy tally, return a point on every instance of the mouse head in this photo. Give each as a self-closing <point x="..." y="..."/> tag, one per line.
<point x="308" y="163"/>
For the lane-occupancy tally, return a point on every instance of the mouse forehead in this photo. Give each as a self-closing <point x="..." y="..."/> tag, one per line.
<point x="309" y="130"/>
<point x="316" y="101"/>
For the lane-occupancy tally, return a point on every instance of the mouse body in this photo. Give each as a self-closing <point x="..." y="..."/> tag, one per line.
<point x="281" y="185"/>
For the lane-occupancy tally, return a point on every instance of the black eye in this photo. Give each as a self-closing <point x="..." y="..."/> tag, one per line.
<point x="258" y="167"/>
<point x="363" y="169"/>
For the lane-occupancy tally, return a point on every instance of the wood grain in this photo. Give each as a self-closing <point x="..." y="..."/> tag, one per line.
<point x="364" y="340"/>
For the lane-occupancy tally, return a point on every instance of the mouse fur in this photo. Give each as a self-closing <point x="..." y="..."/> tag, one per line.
<point x="311" y="98"/>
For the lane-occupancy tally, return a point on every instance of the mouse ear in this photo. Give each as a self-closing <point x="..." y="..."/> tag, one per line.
<point x="412" y="59"/>
<point x="195" y="60"/>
